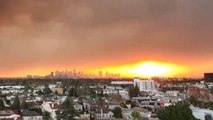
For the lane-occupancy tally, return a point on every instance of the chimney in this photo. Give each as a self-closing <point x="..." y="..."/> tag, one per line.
<point x="101" y="113"/>
<point x="52" y="104"/>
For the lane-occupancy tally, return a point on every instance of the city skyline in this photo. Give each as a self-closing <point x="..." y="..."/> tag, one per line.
<point x="137" y="37"/>
<point x="74" y="74"/>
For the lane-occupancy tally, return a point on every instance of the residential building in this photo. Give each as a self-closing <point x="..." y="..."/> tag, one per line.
<point x="50" y="107"/>
<point x="31" y="115"/>
<point x="59" y="90"/>
<point x="144" y="85"/>
<point x="208" y="76"/>
<point x="78" y="107"/>
<point x="200" y="93"/>
<point x="9" y="114"/>
<point x="122" y="83"/>
<point x="172" y="93"/>
<point x="200" y="113"/>
<point x="103" y="113"/>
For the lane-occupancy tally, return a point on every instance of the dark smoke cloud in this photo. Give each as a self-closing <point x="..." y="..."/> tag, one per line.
<point x="79" y="32"/>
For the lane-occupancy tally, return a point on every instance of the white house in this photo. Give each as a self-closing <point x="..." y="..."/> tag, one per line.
<point x="201" y="113"/>
<point x="50" y="107"/>
<point x="9" y="114"/>
<point x="121" y="82"/>
<point x="110" y="91"/>
<point x="172" y="93"/>
<point x="124" y="94"/>
<point x="144" y="85"/>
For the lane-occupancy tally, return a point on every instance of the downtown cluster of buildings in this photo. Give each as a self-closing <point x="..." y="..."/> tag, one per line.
<point x="74" y="74"/>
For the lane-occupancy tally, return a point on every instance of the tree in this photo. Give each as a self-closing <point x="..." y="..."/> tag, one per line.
<point x="46" y="115"/>
<point x="27" y="87"/>
<point x="93" y="93"/>
<point x="58" y="115"/>
<point x="194" y="101"/>
<point x="27" y="105"/>
<point x="136" y="115"/>
<point x="2" y="106"/>
<point x="133" y="104"/>
<point x="17" y="104"/>
<point x="47" y="90"/>
<point x="73" y="92"/>
<point x="180" y="111"/>
<point x="56" y="92"/>
<point x="117" y="112"/>
<point x="206" y="85"/>
<point x="67" y="111"/>
<point x="134" y="91"/>
<point x="141" y="118"/>
<point x="123" y="105"/>
<point x="211" y="90"/>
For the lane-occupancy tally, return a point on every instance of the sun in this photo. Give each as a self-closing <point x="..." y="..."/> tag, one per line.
<point x="150" y="69"/>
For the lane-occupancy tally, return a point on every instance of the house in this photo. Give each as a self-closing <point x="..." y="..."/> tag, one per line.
<point x="200" y="113"/>
<point x="124" y="93"/>
<point x="59" y="90"/>
<point x="172" y="93"/>
<point x="200" y="93"/>
<point x="150" y="103"/>
<point x="31" y="115"/>
<point x="9" y="114"/>
<point x="84" y="116"/>
<point x="103" y="113"/>
<point x="50" y="107"/>
<point x="112" y="106"/>
<point x="108" y="91"/>
<point x="78" y="107"/>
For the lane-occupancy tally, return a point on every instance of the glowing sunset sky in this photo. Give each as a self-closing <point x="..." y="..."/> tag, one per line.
<point x="40" y="36"/>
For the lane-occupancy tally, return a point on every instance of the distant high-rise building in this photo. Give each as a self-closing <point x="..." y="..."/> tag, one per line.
<point x="29" y="76"/>
<point x="100" y="74"/>
<point x="52" y="74"/>
<point x="74" y="73"/>
<point x="69" y="74"/>
<point x="57" y="74"/>
<point x="107" y="74"/>
<point x="66" y="73"/>
<point x="208" y="76"/>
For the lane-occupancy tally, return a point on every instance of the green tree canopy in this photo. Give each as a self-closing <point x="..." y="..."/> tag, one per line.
<point x="67" y="111"/>
<point x="136" y="115"/>
<point x="180" y="111"/>
<point x="117" y="112"/>
<point x="2" y="106"/>
<point x="58" y="115"/>
<point x="134" y="91"/>
<point x="73" y="92"/>
<point x="93" y="94"/>
<point x="211" y="90"/>
<point x="17" y="104"/>
<point x="46" y="115"/>
<point x="47" y="90"/>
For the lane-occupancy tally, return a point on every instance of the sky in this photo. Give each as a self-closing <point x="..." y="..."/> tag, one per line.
<point x="43" y="35"/>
